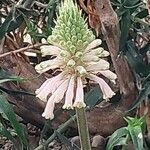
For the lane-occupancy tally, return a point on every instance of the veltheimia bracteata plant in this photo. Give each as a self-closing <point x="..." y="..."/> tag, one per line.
<point x="78" y="56"/>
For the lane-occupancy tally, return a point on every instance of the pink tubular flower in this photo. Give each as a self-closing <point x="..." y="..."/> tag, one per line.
<point x="77" y="55"/>
<point x="69" y="94"/>
<point x="79" y="99"/>
<point x="68" y="84"/>
<point x="49" y="109"/>
<point x="106" y="90"/>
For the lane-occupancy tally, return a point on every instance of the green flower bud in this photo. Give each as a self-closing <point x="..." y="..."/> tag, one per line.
<point x="78" y="54"/>
<point x="71" y="26"/>
<point x="82" y="71"/>
<point x="59" y="37"/>
<point x="79" y="36"/>
<point x="67" y="29"/>
<point x="69" y="43"/>
<point x="62" y="43"/>
<point x="51" y="39"/>
<point x="73" y="49"/>
<point x="85" y="44"/>
<point x="78" y="29"/>
<point x="79" y="42"/>
<point x="71" y="63"/>
<point x="64" y="53"/>
<point x="74" y="39"/>
<point x="73" y="32"/>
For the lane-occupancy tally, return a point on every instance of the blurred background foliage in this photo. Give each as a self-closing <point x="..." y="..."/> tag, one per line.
<point x="25" y="23"/>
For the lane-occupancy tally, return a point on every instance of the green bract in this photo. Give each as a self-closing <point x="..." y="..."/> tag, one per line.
<point x="71" y="31"/>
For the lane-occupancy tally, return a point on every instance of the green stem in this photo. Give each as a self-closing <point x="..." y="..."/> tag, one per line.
<point x="61" y="129"/>
<point x="83" y="129"/>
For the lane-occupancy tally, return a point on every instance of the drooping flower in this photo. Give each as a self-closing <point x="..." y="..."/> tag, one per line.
<point x="78" y="56"/>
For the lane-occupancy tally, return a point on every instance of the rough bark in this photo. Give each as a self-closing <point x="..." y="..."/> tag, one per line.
<point x="111" y="32"/>
<point x="28" y="107"/>
<point x="110" y="118"/>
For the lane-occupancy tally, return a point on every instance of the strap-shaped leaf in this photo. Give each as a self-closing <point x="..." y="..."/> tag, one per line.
<point x="137" y="137"/>
<point x="93" y="97"/>
<point x="5" y="77"/>
<point x="136" y="61"/>
<point x="145" y="91"/>
<point x="6" y="133"/>
<point x="6" y="108"/>
<point x="117" y="138"/>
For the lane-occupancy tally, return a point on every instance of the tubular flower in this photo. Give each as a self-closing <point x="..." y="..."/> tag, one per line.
<point x="78" y="56"/>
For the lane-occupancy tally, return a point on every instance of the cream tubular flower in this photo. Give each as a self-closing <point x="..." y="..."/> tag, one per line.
<point x="99" y="66"/>
<point x="100" y="52"/>
<point x="47" y="87"/>
<point x="70" y="94"/>
<point x="61" y="90"/>
<point x="56" y="97"/>
<point x="79" y="99"/>
<point x="49" y="109"/>
<point x="110" y="75"/>
<point x="90" y="58"/>
<point x="42" y="86"/>
<point x="93" y="44"/>
<point x="47" y="65"/>
<point x="50" y="50"/>
<point x="106" y="90"/>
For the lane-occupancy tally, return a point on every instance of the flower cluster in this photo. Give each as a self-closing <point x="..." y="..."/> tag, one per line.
<point x="78" y="57"/>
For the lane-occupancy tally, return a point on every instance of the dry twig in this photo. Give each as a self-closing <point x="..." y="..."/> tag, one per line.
<point x="21" y="50"/>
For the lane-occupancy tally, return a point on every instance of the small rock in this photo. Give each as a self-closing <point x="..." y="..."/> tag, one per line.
<point x="76" y="140"/>
<point x="98" y="141"/>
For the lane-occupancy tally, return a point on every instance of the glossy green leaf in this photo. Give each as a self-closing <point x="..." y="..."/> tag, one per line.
<point x="135" y="130"/>
<point x="4" y="27"/>
<point x="125" y="26"/>
<point x="129" y="3"/>
<point x="8" y="111"/>
<point x="93" y="97"/>
<point x="5" y="77"/>
<point x="117" y="138"/>
<point x="14" y="92"/>
<point x="142" y="14"/>
<point x="145" y="91"/>
<point x="136" y="61"/>
<point x="137" y="137"/>
<point x="7" y="134"/>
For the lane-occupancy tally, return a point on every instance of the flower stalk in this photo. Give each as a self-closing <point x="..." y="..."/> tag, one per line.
<point x="83" y="129"/>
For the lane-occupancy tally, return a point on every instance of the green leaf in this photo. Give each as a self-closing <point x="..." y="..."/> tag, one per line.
<point x="27" y="11"/>
<point x="6" y="133"/>
<point x="137" y="137"/>
<point x="14" y="92"/>
<point x="145" y="91"/>
<point x="8" y="111"/>
<point x="130" y="3"/>
<point x="136" y="61"/>
<point x="125" y="26"/>
<point x="93" y="97"/>
<point x="5" y="77"/>
<point x="117" y="138"/>
<point x="142" y="14"/>
<point x="135" y="129"/>
<point x="4" y="27"/>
